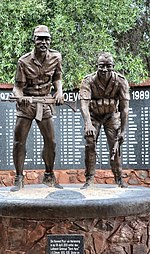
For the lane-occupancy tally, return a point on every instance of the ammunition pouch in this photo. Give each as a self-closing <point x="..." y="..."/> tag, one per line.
<point x="103" y="106"/>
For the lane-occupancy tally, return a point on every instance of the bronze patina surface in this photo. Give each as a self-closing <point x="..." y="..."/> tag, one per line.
<point x="37" y="71"/>
<point x="104" y="101"/>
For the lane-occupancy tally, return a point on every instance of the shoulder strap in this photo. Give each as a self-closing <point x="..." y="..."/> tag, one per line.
<point x="93" y="83"/>
<point x="115" y="85"/>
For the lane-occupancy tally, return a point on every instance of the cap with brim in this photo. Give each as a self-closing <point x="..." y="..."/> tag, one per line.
<point x="41" y="31"/>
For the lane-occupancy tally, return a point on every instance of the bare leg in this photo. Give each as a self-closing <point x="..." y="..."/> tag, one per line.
<point x="48" y="153"/>
<point x="19" y="149"/>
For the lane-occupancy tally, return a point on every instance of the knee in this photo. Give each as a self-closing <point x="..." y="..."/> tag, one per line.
<point x="90" y="148"/>
<point x="90" y="144"/>
<point x="53" y="145"/>
<point x="18" y="145"/>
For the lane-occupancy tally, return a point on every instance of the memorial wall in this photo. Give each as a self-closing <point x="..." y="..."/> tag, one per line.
<point x="69" y="135"/>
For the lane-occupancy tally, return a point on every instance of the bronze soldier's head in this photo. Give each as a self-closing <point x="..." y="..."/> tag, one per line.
<point x="105" y="64"/>
<point x="41" y="38"/>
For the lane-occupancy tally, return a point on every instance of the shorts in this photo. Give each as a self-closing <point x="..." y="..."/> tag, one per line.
<point x="30" y="111"/>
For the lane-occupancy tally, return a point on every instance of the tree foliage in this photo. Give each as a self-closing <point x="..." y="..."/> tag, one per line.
<point x="80" y="29"/>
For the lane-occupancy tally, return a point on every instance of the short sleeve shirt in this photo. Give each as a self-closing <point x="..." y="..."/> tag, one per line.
<point x="31" y="72"/>
<point x="92" y="88"/>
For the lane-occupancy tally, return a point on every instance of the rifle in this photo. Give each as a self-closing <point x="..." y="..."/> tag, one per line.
<point x="41" y="100"/>
<point x="116" y="148"/>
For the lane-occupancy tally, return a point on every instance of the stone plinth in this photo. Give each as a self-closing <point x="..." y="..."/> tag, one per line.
<point x="112" y="220"/>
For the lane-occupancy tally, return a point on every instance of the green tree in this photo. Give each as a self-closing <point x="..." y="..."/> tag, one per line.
<point x="133" y="45"/>
<point x="80" y="29"/>
<point x="16" y="24"/>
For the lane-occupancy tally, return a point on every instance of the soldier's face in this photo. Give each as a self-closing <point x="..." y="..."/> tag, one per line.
<point x="41" y="43"/>
<point x="105" y="66"/>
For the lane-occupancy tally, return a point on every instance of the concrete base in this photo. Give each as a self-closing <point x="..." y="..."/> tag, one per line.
<point x="111" y="220"/>
<point x="42" y="202"/>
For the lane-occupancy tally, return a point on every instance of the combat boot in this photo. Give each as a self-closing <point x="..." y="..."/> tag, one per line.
<point x="89" y="182"/>
<point x="119" y="180"/>
<point x="50" y="180"/>
<point x="121" y="183"/>
<point x="18" y="184"/>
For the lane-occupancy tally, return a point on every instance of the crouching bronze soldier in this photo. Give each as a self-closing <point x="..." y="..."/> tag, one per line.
<point x="36" y="72"/>
<point x="104" y="101"/>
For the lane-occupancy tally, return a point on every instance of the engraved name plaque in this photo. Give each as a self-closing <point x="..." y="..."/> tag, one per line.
<point x="65" y="244"/>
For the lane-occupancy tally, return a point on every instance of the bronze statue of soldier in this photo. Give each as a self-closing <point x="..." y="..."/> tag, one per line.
<point x="37" y="71"/>
<point x="104" y="101"/>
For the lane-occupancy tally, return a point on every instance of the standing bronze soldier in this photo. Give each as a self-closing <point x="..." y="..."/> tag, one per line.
<point x="104" y="101"/>
<point x="36" y="72"/>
